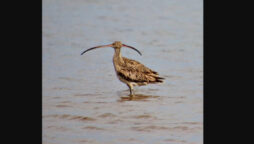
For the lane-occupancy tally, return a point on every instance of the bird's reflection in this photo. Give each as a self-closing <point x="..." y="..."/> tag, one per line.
<point x="136" y="97"/>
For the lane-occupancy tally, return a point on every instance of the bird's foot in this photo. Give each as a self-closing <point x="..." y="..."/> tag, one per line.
<point x="131" y="95"/>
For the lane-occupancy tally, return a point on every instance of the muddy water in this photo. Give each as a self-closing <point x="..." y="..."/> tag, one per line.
<point x="84" y="102"/>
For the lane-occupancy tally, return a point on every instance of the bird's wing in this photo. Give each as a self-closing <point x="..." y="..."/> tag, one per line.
<point x="137" y="72"/>
<point x="135" y="65"/>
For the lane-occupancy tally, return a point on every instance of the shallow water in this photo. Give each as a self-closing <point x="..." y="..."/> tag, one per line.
<point x="84" y="102"/>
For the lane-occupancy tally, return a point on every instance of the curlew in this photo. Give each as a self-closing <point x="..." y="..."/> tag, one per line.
<point x="128" y="71"/>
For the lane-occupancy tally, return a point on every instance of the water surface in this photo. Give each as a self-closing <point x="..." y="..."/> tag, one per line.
<point x="84" y="102"/>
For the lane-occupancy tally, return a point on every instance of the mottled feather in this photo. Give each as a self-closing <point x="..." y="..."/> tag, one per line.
<point x="134" y="71"/>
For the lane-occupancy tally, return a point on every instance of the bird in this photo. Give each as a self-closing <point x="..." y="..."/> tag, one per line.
<point x="129" y="71"/>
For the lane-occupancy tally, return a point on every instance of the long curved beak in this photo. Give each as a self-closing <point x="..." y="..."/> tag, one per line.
<point x="110" y="45"/>
<point x="132" y="48"/>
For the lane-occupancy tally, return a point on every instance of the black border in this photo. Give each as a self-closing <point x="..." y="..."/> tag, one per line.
<point x="23" y="104"/>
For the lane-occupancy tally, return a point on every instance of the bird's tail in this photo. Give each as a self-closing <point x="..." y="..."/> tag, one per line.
<point x="159" y="79"/>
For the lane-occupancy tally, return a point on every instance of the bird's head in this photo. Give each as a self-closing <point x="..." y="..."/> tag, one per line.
<point x="115" y="45"/>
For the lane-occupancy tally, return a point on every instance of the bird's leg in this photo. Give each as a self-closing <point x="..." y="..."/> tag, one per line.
<point x="131" y="89"/>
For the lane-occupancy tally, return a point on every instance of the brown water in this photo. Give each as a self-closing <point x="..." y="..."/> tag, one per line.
<point x="84" y="102"/>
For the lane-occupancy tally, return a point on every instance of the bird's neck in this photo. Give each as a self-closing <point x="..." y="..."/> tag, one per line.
<point x="118" y="56"/>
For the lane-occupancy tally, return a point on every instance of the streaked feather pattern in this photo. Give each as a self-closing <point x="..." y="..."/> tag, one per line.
<point x="134" y="71"/>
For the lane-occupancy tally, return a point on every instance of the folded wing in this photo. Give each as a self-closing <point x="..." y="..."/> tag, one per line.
<point x="136" y="72"/>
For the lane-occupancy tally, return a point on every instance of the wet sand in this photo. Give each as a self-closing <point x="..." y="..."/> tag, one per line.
<point x="84" y="102"/>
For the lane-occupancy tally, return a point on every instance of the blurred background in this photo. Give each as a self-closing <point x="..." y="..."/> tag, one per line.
<point x="84" y="102"/>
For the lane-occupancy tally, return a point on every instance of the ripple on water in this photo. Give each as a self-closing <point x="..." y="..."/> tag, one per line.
<point x="106" y="115"/>
<point x="149" y="128"/>
<point x="116" y="121"/>
<point x="72" y="117"/>
<point x="63" y="105"/>
<point x="60" y="128"/>
<point x="92" y="128"/>
<point x="144" y="116"/>
<point x="159" y="128"/>
<point x="137" y="97"/>
<point x="87" y="141"/>
<point x="61" y="88"/>
<point x="87" y="94"/>
<point x="175" y="141"/>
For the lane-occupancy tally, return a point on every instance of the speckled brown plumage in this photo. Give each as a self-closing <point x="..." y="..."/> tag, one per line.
<point x="130" y="71"/>
<point x="134" y="71"/>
